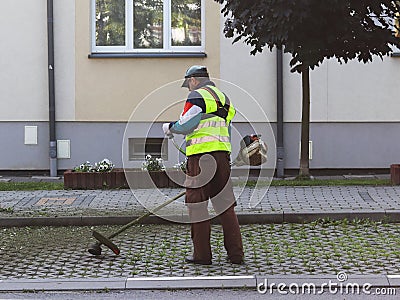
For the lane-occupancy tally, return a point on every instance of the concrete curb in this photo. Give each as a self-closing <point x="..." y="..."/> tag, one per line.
<point x="258" y="282"/>
<point x="191" y="282"/>
<point x="17" y="285"/>
<point x="261" y="218"/>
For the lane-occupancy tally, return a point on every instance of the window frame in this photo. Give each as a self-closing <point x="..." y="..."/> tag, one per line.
<point x="167" y="34"/>
<point x="137" y="148"/>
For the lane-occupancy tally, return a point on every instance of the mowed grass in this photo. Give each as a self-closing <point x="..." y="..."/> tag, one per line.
<point x="30" y="186"/>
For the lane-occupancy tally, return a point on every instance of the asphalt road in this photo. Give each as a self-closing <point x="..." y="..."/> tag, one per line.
<point x="215" y="294"/>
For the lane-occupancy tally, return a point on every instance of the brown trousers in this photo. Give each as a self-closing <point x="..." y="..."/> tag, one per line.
<point x="216" y="186"/>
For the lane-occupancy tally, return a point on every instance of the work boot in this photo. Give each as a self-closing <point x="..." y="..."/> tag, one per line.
<point x="237" y="260"/>
<point x="191" y="260"/>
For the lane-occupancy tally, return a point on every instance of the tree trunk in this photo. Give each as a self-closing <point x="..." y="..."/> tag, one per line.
<point x="305" y="125"/>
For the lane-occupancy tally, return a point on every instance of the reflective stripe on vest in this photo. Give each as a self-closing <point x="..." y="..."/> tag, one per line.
<point x="212" y="134"/>
<point x="207" y="139"/>
<point x="212" y="124"/>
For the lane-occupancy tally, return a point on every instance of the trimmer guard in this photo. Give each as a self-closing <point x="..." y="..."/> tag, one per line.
<point x="105" y="241"/>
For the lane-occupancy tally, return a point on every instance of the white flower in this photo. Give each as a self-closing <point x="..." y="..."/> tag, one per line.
<point x="103" y="166"/>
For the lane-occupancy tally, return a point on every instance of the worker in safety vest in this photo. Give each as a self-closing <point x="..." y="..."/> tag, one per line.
<point x="205" y="121"/>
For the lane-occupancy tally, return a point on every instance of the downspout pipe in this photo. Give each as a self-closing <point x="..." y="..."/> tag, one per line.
<point x="52" y="105"/>
<point x="280" y="149"/>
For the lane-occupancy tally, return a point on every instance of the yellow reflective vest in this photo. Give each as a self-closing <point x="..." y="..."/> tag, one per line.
<point x="212" y="133"/>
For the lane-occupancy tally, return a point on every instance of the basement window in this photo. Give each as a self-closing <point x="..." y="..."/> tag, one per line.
<point x="140" y="147"/>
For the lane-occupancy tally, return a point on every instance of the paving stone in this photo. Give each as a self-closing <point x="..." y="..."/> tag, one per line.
<point x="143" y="247"/>
<point x="268" y="248"/>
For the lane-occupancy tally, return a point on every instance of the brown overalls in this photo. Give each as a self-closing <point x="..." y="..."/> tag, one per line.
<point x="219" y="189"/>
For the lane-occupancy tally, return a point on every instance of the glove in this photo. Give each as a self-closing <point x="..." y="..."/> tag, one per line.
<point x="166" y="130"/>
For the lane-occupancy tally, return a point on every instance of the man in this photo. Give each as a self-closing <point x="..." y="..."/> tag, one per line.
<point x="205" y="121"/>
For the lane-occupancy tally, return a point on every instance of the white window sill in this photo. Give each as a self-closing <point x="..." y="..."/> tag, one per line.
<point x="147" y="55"/>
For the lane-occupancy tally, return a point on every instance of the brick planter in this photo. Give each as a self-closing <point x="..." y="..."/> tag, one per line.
<point x="395" y="174"/>
<point x="156" y="179"/>
<point x="135" y="179"/>
<point x="90" y="181"/>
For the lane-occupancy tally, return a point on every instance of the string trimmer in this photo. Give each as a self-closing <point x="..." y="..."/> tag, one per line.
<point x="253" y="152"/>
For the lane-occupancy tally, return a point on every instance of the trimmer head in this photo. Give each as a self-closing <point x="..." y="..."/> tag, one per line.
<point x="103" y="240"/>
<point x="95" y="249"/>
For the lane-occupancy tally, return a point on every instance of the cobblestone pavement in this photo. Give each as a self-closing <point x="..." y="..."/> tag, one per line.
<point x="289" y="200"/>
<point x="316" y="248"/>
<point x="324" y="247"/>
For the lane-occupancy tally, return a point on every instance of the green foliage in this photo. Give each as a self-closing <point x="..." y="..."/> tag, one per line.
<point x="148" y="24"/>
<point x="30" y="186"/>
<point x="148" y="18"/>
<point x="312" y="30"/>
<point x="6" y="210"/>
<point x="186" y="15"/>
<point x="84" y="167"/>
<point x="322" y="182"/>
<point x="182" y="166"/>
<point x="110" y="22"/>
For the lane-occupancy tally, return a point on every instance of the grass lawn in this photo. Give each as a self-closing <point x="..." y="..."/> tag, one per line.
<point x="32" y="186"/>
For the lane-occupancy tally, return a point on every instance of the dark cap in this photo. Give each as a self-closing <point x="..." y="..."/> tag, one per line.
<point x="195" y="71"/>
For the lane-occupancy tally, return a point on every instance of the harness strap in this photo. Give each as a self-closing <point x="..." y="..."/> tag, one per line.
<point x="222" y="110"/>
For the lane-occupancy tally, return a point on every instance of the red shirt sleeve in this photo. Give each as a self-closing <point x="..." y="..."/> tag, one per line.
<point x="187" y="106"/>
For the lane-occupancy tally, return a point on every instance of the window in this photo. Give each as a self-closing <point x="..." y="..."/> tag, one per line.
<point x="140" y="147"/>
<point x="134" y="26"/>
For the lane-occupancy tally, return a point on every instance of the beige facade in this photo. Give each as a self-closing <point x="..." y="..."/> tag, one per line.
<point x="109" y="89"/>
<point x="351" y="104"/>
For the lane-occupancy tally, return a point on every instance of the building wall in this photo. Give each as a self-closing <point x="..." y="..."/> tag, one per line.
<point x="354" y="107"/>
<point x="23" y="61"/>
<point x="65" y="48"/>
<point x="24" y="78"/>
<point x="102" y="102"/>
<point x="354" y="114"/>
<point x="352" y="92"/>
<point x="15" y="155"/>
<point x="345" y="145"/>
<point x="110" y="89"/>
